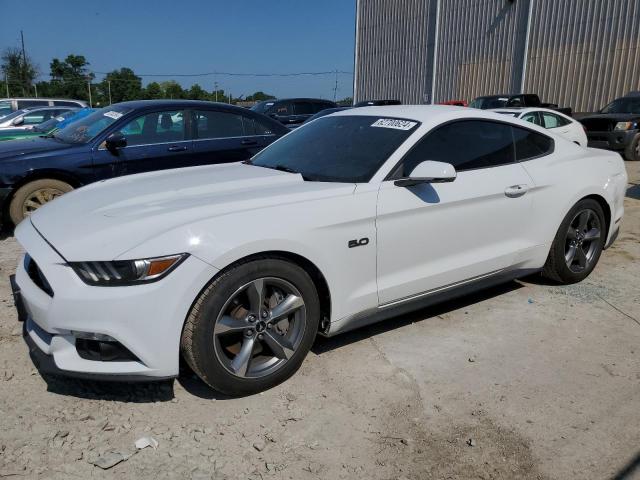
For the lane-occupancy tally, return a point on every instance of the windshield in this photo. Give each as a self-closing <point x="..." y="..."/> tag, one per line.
<point x="338" y="148"/>
<point x="13" y="115"/>
<point x="5" y="108"/>
<point x="484" y="103"/>
<point x="623" y="105"/>
<point x="262" y="107"/>
<point x="89" y="127"/>
<point x="52" y="122"/>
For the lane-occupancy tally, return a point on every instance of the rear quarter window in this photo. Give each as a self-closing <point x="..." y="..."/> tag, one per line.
<point x="530" y="144"/>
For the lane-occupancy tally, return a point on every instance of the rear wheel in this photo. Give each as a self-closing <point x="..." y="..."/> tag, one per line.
<point x="33" y="195"/>
<point x="578" y="243"/>
<point x="632" y="152"/>
<point x="252" y="327"/>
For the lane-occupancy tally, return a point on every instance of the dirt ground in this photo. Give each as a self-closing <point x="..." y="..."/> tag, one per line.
<point x="524" y="381"/>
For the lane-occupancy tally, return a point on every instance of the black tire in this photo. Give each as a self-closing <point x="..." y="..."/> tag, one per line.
<point x="632" y="152"/>
<point x="556" y="267"/>
<point x="37" y="193"/>
<point x="197" y="341"/>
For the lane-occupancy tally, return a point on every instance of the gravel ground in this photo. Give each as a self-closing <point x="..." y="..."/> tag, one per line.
<point x="523" y="381"/>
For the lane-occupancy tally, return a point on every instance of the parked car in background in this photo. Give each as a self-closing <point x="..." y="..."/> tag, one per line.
<point x="455" y="103"/>
<point x="520" y="100"/>
<point x="9" y="105"/>
<point x="325" y="112"/>
<point x="44" y="128"/>
<point x="125" y="138"/>
<point x="552" y="120"/>
<point x="354" y="218"/>
<point x="292" y="112"/>
<point x="377" y="103"/>
<point x="31" y="117"/>
<point x="617" y="126"/>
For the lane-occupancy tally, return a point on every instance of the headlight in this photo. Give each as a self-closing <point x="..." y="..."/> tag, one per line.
<point x="126" y="272"/>
<point x="625" y="126"/>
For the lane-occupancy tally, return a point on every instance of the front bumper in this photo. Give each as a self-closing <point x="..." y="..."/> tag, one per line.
<point x="616" y="140"/>
<point x="145" y="319"/>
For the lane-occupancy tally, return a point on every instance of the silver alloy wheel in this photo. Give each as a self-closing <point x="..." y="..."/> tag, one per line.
<point x="582" y="240"/>
<point x="38" y="198"/>
<point x="260" y="327"/>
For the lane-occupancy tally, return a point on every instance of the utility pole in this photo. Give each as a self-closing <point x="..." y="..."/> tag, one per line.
<point x="6" y="83"/>
<point x="24" y="63"/>
<point x="335" y="88"/>
<point x="215" y="85"/>
<point x="89" y="84"/>
<point x="109" y="85"/>
<point x="35" y="87"/>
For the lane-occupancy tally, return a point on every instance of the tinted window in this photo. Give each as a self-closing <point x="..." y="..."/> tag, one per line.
<point x="155" y="127"/>
<point x="466" y="145"/>
<point x="623" y="105"/>
<point x="282" y="108"/>
<point x="255" y="127"/>
<point x="531" y="144"/>
<point x="319" y="106"/>
<point x="262" y="107"/>
<point x="34" y="118"/>
<point x="337" y="149"/>
<point x="212" y="124"/>
<point x="32" y="103"/>
<point x="304" y="108"/>
<point x="63" y="103"/>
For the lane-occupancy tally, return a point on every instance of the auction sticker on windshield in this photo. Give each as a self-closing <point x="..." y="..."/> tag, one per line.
<point x="394" y="123"/>
<point x="112" y="114"/>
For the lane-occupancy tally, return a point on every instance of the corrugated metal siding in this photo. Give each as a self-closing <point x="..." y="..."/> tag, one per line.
<point x="393" y="50"/>
<point x="584" y="53"/>
<point x="477" y="47"/>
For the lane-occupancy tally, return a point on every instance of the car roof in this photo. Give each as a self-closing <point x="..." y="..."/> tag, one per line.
<point x="48" y="107"/>
<point x="297" y="99"/>
<point x="527" y="110"/>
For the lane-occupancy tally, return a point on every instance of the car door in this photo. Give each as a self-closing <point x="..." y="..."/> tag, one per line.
<point x="282" y="111"/>
<point x="438" y="235"/>
<point x="156" y="140"/>
<point x="223" y="137"/>
<point x="303" y="110"/>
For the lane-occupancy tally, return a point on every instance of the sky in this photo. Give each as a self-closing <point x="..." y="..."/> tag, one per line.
<point x="195" y="36"/>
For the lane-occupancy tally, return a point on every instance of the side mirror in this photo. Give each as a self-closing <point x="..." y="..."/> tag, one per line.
<point x="428" y="171"/>
<point x="17" y="121"/>
<point x="115" y="141"/>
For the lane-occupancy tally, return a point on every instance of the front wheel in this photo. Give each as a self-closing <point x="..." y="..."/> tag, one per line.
<point x="578" y="243"/>
<point x="252" y="327"/>
<point x="33" y="195"/>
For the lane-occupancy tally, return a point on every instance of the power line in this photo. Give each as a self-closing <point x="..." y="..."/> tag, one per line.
<point x="238" y="74"/>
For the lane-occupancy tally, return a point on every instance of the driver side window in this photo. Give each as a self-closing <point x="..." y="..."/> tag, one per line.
<point x="155" y="127"/>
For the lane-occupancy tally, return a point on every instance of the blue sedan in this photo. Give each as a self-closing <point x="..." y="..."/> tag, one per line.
<point x="127" y="138"/>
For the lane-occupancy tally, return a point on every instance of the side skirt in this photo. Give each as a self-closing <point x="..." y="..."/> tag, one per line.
<point x="425" y="299"/>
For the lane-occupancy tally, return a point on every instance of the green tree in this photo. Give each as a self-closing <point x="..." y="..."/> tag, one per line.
<point x="125" y="85"/>
<point x="70" y="77"/>
<point x="20" y="74"/>
<point x="259" y="97"/>
<point x="196" y="92"/>
<point x="172" y="89"/>
<point x="153" y="91"/>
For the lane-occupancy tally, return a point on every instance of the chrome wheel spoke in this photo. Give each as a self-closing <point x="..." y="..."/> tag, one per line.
<point x="240" y="363"/>
<point x="255" y="292"/>
<point x="280" y="346"/>
<point x="285" y="308"/>
<point x="228" y="324"/>
<point x="592" y="234"/>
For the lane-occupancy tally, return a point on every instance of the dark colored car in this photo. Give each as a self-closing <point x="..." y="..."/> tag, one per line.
<point x="292" y="112"/>
<point x="325" y="112"/>
<point x="127" y="138"/>
<point x="518" y="100"/>
<point x="377" y="103"/>
<point x="616" y="126"/>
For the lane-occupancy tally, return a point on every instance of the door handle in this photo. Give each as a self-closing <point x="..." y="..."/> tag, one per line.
<point x="177" y="148"/>
<point x="515" y="191"/>
<point x="249" y="142"/>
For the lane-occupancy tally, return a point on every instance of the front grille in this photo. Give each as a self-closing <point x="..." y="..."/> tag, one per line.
<point x="36" y="275"/>
<point x="598" y="124"/>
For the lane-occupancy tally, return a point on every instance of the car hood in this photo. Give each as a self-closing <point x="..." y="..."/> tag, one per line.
<point x="106" y="219"/>
<point x="21" y="148"/>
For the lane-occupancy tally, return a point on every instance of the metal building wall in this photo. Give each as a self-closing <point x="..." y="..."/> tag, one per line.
<point x="394" y="44"/>
<point x="480" y="44"/>
<point x="583" y="53"/>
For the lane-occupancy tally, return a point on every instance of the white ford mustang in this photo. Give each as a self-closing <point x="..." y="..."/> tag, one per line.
<point x="353" y="218"/>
